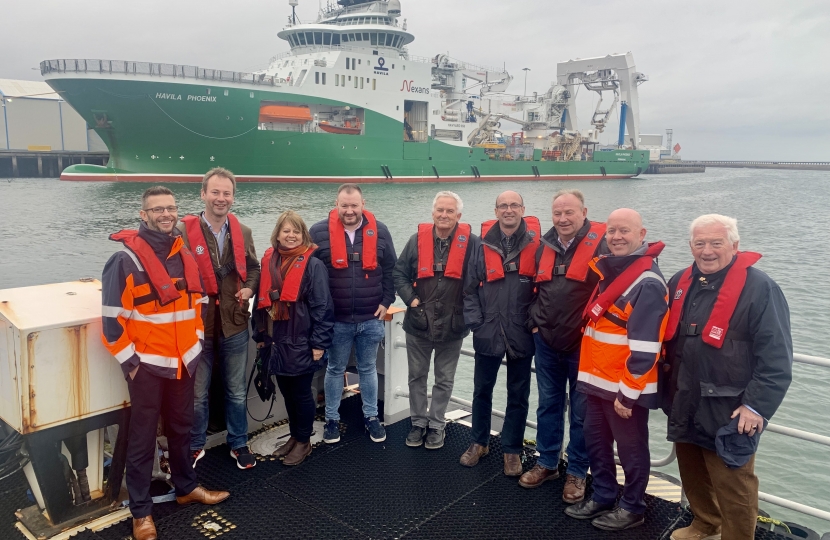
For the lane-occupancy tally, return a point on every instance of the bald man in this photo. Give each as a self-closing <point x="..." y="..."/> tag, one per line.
<point x="618" y="370"/>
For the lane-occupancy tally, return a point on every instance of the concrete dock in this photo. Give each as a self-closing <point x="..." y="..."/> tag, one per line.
<point x="49" y="164"/>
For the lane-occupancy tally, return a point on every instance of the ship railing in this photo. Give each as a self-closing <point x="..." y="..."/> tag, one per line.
<point x="703" y="162"/>
<point x="672" y="456"/>
<point x="460" y="64"/>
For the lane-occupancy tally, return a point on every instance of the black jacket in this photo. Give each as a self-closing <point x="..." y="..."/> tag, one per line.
<point x="557" y="309"/>
<point x="357" y="293"/>
<point x="440" y="314"/>
<point x="498" y="312"/>
<point x="754" y="367"/>
<point x="310" y="325"/>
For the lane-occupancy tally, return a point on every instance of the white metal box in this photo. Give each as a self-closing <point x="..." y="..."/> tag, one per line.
<point x="53" y="366"/>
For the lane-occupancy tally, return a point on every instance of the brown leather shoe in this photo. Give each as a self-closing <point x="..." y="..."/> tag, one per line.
<point x="537" y="476"/>
<point x="144" y="528"/>
<point x="285" y="449"/>
<point x="574" y="489"/>
<point x="473" y="454"/>
<point x="512" y="465"/>
<point x="202" y="495"/>
<point x="300" y="451"/>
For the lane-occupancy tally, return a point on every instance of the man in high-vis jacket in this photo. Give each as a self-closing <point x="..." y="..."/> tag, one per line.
<point x="618" y="370"/>
<point x="498" y="291"/>
<point x="152" y="299"/>
<point x="729" y="356"/>
<point x="225" y="255"/>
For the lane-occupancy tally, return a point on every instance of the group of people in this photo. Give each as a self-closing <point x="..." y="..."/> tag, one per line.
<point x="610" y="337"/>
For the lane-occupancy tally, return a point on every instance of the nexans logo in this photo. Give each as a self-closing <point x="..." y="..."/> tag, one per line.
<point x="408" y="86"/>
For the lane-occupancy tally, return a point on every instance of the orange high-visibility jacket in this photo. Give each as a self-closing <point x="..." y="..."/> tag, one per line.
<point x="152" y="304"/>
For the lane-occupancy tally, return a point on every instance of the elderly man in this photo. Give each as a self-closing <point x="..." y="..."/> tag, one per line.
<point x="729" y="349"/>
<point x="360" y="257"/>
<point x="564" y="285"/>
<point x="618" y="371"/>
<point x="498" y="291"/>
<point x="227" y="261"/>
<point x="152" y="324"/>
<point x="429" y="279"/>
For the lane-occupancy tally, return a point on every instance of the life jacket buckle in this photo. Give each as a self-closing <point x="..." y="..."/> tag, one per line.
<point x="274" y="296"/>
<point x="692" y="330"/>
<point x="511" y="267"/>
<point x="354" y="256"/>
<point x="438" y="267"/>
<point x="181" y="284"/>
<point x="560" y="270"/>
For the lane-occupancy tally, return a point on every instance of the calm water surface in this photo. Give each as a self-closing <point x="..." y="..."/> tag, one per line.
<point x="53" y="231"/>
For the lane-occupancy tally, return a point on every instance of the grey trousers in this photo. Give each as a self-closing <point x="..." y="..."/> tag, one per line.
<point x="419" y="351"/>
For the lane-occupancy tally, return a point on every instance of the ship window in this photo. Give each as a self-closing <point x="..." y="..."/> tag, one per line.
<point x="374" y="38"/>
<point x="335" y="39"/>
<point x="350" y="77"/>
<point x="347" y="62"/>
<point x="351" y="37"/>
<point x="381" y="38"/>
<point x="389" y="40"/>
<point x="208" y="91"/>
<point x="318" y="38"/>
<point x="226" y="92"/>
<point x="302" y="38"/>
<point x="345" y="38"/>
<point x="324" y="80"/>
<point x="361" y="83"/>
<point x="343" y="81"/>
<point x="252" y="94"/>
<point x="336" y="80"/>
<point x="374" y="84"/>
<point x="327" y="38"/>
<point x="309" y="38"/>
<point x="355" y="82"/>
<point x="393" y="66"/>
<point x="365" y="36"/>
<point x="359" y="36"/>
<point x="360" y="61"/>
<point x="316" y="77"/>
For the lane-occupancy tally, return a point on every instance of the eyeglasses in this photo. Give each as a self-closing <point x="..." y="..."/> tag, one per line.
<point x="505" y="206"/>
<point x="161" y="209"/>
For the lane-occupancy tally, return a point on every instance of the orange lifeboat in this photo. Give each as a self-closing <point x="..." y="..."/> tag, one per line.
<point x="345" y="129"/>
<point x="285" y="114"/>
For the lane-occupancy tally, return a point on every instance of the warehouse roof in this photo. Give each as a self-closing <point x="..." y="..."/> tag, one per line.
<point x="29" y="89"/>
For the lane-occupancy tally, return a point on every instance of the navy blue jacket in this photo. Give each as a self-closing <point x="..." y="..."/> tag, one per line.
<point x="356" y="292"/>
<point x="310" y="325"/>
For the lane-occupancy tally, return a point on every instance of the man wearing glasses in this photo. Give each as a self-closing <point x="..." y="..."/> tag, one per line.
<point x="498" y="292"/>
<point x="152" y="299"/>
<point x="227" y="261"/>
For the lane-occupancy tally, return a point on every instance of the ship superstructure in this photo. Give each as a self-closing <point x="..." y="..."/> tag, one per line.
<point x="348" y="101"/>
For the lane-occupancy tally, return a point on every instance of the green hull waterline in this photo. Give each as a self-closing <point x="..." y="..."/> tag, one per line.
<point x="152" y="139"/>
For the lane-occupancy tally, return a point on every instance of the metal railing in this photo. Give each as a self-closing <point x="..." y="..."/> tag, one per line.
<point x="662" y="462"/>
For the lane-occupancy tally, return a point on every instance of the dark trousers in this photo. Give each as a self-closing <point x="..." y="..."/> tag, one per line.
<point x="602" y="427"/>
<point x="718" y="496"/>
<point x="151" y="396"/>
<point x="518" y="391"/>
<point x="299" y="403"/>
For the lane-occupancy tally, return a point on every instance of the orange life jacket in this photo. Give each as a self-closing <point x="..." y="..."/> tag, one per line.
<point x="455" y="258"/>
<point x="291" y="283"/>
<point x="337" y="240"/>
<point x="718" y="324"/>
<point x="196" y="239"/>
<point x="527" y="258"/>
<point x="578" y="269"/>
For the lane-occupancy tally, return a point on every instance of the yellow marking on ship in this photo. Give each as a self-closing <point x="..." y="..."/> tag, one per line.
<point x="656" y="487"/>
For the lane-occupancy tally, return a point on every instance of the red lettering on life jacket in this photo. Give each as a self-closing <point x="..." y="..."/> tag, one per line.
<point x="199" y="246"/>
<point x="337" y="239"/>
<point x="578" y="269"/>
<point x="159" y="278"/>
<point x="600" y="304"/>
<point x="291" y="283"/>
<point x="455" y="259"/>
<point x="716" y="327"/>
<point x="527" y="258"/>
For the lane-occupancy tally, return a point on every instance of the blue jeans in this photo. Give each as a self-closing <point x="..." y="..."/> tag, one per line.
<point x="556" y="372"/>
<point x="365" y="336"/>
<point x="233" y="357"/>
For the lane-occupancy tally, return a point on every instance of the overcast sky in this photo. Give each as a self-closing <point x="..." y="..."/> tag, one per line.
<point x="735" y="79"/>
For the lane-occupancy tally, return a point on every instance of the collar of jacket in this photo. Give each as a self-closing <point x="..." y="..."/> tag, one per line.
<point x="715" y="278"/>
<point x="161" y="243"/>
<point x="493" y="239"/>
<point x="551" y="238"/>
<point x="612" y="266"/>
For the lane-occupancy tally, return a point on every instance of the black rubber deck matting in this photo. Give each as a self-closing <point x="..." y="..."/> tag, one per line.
<point x="366" y="490"/>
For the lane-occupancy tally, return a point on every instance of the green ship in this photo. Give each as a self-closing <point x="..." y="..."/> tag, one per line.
<point x="348" y="102"/>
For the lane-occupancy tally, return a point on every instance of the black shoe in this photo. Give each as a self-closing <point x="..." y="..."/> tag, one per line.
<point x="588" y="509"/>
<point x="435" y="438"/>
<point x="415" y="437"/>
<point x="618" y="520"/>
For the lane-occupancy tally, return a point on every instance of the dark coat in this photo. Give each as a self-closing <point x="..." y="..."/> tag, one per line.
<point x="557" y="309"/>
<point x="310" y="325"/>
<point x="498" y="312"/>
<point x="441" y="307"/>
<point x="754" y="366"/>
<point x="357" y="293"/>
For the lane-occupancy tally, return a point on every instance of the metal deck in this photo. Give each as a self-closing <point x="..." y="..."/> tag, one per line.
<point x="360" y="489"/>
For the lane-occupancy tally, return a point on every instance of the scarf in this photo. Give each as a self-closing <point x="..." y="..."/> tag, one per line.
<point x="279" y="269"/>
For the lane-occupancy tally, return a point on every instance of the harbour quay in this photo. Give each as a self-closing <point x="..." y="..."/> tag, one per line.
<point x="45" y="163"/>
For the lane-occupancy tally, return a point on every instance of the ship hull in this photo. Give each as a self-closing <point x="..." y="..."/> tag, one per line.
<point x="171" y="131"/>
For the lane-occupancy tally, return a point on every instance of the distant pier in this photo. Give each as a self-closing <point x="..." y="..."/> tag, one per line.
<point x="45" y="164"/>
<point x="795" y="165"/>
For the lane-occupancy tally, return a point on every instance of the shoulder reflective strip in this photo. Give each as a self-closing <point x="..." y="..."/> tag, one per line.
<point x="192" y="353"/>
<point x="134" y="258"/>
<point x="125" y="354"/>
<point x="200" y="334"/>
<point x="644" y="346"/>
<point x="599" y="382"/>
<point x="603" y="337"/>
<point x="111" y="311"/>
<point x="156" y="360"/>
<point x="650" y="388"/>
<point x="163" y="318"/>
<point x="643" y="276"/>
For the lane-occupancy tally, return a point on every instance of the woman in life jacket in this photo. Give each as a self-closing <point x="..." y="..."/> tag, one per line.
<point x="294" y="319"/>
